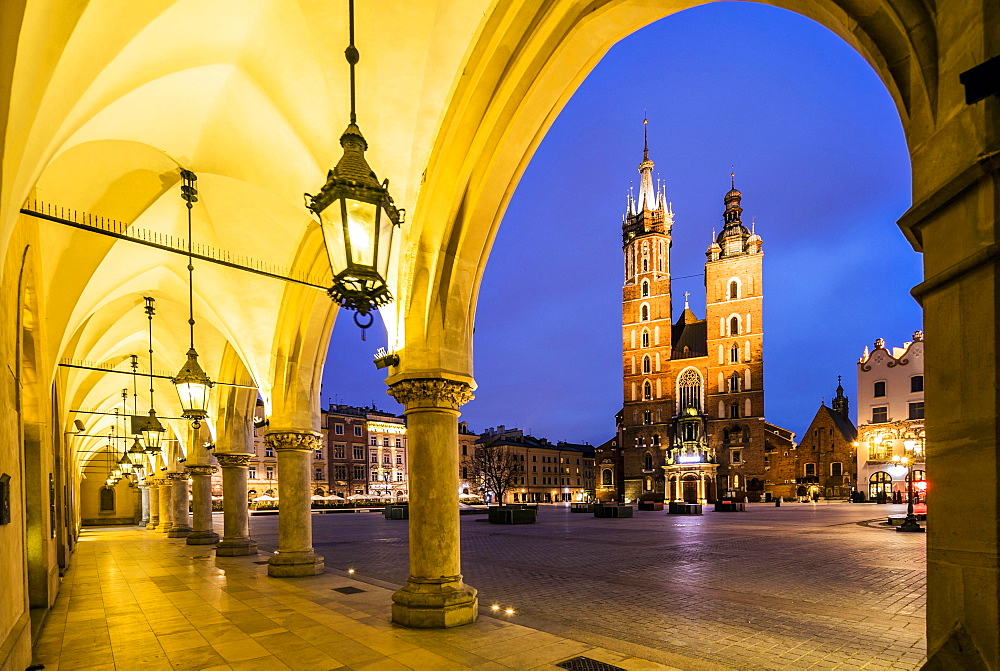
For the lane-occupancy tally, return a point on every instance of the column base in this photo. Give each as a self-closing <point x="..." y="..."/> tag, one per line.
<point x="179" y="532"/>
<point x="294" y="565"/>
<point x="202" y="538"/>
<point x="151" y="525"/>
<point x="235" y="548"/>
<point x="164" y="527"/>
<point x="435" y="604"/>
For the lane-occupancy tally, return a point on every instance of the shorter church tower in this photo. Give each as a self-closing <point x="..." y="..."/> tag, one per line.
<point x="734" y="311"/>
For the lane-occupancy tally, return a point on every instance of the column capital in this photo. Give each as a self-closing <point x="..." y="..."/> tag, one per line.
<point x="431" y="392"/>
<point x="200" y="469"/>
<point x="233" y="459"/>
<point x="294" y="440"/>
<point x="176" y="475"/>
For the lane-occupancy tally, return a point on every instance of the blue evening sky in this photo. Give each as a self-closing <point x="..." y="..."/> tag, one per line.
<point x="821" y="160"/>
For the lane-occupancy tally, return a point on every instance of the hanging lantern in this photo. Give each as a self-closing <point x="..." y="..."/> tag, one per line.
<point x="124" y="464"/>
<point x="136" y="452"/>
<point x="149" y="427"/>
<point x="358" y="219"/>
<point x="192" y="383"/>
<point x="193" y="388"/>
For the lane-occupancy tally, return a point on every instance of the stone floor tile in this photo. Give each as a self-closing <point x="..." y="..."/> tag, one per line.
<point x="240" y="650"/>
<point x="195" y="658"/>
<point x="382" y="664"/>
<point x="386" y="643"/>
<point x="182" y="641"/>
<point x="270" y="663"/>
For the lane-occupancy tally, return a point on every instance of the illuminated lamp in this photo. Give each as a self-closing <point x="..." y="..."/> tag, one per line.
<point x="358" y="219"/>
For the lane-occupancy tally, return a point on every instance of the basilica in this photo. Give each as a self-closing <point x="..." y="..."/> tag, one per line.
<point x="692" y="425"/>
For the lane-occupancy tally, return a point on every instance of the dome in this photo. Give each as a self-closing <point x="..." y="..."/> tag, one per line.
<point x="731" y="195"/>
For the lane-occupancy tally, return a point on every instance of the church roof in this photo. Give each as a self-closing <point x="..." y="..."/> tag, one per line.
<point x="691" y="332"/>
<point x="844" y="425"/>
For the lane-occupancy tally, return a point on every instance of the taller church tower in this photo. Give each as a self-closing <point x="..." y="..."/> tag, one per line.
<point x="646" y="330"/>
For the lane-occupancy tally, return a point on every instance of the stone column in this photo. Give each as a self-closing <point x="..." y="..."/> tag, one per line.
<point x="295" y="556"/>
<point x="144" y="495"/>
<point x="236" y="539"/>
<point x="180" y="500"/>
<point x="166" y="509"/>
<point x="434" y="596"/>
<point x="202" y="532"/>
<point x="154" y="504"/>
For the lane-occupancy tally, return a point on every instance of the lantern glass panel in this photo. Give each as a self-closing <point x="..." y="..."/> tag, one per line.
<point x="193" y="397"/>
<point x="152" y="439"/>
<point x="360" y="222"/>
<point x="332" y="225"/>
<point x="386" y="231"/>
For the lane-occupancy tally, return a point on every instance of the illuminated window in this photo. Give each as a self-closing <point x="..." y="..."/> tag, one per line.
<point x="879" y="483"/>
<point x="647" y="417"/>
<point x="689" y="386"/>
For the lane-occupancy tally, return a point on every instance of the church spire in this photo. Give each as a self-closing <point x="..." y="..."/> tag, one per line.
<point x="841" y="404"/>
<point x="647" y="194"/>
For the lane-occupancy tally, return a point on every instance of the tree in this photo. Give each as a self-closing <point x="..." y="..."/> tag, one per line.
<point x="495" y="469"/>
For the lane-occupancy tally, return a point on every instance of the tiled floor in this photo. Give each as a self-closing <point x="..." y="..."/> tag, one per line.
<point x="134" y="599"/>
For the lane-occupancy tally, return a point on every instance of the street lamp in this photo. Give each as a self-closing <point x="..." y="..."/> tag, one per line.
<point x="357" y="218"/>
<point x="910" y="523"/>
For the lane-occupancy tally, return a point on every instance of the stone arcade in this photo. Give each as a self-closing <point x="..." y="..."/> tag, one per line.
<point x="101" y="106"/>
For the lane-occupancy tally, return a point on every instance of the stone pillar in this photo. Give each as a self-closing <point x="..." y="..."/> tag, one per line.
<point x="180" y="501"/>
<point x="236" y="539"/>
<point x="295" y="556"/>
<point x="434" y="596"/>
<point x="202" y="532"/>
<point x="144" y="495"/>
<point x="166" y="509"/>
<point x="154" y="504"/>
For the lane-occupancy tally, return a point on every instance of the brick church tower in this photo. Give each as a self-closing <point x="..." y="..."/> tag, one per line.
<point x="692" y="423"/>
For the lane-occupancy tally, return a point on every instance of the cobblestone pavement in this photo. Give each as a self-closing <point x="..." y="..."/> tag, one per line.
<point x="803" y="586"/>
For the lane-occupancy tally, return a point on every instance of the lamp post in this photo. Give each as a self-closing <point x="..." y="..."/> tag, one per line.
<point x="910" y="523"/>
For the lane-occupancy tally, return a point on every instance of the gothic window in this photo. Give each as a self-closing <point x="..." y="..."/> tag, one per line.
<point x="690" y="431"/>
<point x="647" y="462"/>
<point x="656" y="440"/>
<point x="647" y="417"/>
<point x="734" y="289"/>
<point x="645" y="265"/>
<point x="606" y="477"/>
<point x="810" y="470"/>
<point x="734" y="382"/>
<point x="647" y="391"/>
<point x="734" y="353"/>
<point x="734" y="411"/>
<point x="746" y="434"/>
<point x="645" y="338"/>
<point x="725" y="435"/>
<point x="689" y="386"/>
<point x="646" y="366"/>
<point x="644" y="315"/>
<point x="645" y="288"/>
<point x="734" y="326"/>
<point x="737" y="457"/>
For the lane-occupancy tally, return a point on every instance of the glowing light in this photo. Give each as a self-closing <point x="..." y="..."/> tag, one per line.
<point x="495" y="607"/>
<point x="689" y="459"/>
<point x="509" y="611"/>
<point x="350" y="571"/>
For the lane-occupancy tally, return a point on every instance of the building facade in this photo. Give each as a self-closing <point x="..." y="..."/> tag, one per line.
<point x="347" y="441"/>
<point x="387" y="457"/>
<point x="547" y="473"/>
<point x="692" y="424"/>
<point x="823" y="464"/>
<point x="891" y="417"/>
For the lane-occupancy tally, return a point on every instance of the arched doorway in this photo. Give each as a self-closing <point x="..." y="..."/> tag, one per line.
<point x="879" y="483"/>
<point x="690" y="489"/>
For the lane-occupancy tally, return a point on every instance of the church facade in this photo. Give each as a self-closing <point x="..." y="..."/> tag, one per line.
<point x="692" y="424"/>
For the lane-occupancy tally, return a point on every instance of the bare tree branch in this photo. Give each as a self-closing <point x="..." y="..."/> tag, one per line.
<point x="495" y="469"/>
